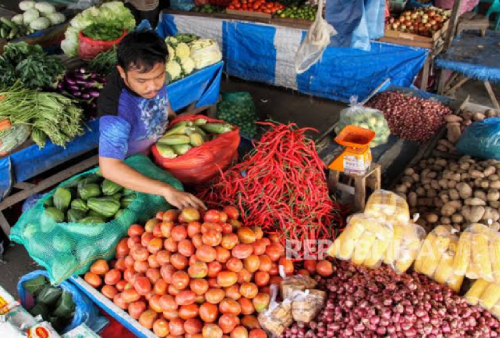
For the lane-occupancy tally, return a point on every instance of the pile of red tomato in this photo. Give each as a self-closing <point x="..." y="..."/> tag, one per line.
<point x="192" y="274"/>
<point x="256" y="6"/>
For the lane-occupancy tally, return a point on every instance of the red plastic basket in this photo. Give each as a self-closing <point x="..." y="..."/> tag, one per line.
<point x="88" y="48"/>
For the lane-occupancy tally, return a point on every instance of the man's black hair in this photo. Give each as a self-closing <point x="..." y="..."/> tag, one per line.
<point x="141" y="51"/>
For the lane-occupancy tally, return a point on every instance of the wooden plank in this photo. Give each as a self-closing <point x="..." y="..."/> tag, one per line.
<point x="49" y="182"/>
<point x="248" y="14"/>
<point x="455" y="14"/>
<point x="404" y="42"/>
<point x="456" y="86"/>
<point x="24" y="185"/>
<point x="492" y="94"/>
<point x="4" y="225"/>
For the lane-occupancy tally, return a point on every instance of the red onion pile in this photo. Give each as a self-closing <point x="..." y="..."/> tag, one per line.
<point x="410" y="118"/>
<point x="370" y="303"/>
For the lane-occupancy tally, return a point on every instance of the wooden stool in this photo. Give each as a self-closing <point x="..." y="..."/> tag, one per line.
<point x="371" y="179"/>
<point x="473" y="21"/>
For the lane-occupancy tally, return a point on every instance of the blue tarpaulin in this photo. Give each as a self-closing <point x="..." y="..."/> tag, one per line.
<point x="473" y="56"/>
<point x="201" y="87"/>
<point x="266" y="53"/>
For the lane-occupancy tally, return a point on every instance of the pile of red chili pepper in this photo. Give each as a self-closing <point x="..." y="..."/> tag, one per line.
<point x="281" y="186"/>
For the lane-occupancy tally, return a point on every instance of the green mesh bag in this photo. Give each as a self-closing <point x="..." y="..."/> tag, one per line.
<point x="65" y="249"/>
<point x="238" y="109"/>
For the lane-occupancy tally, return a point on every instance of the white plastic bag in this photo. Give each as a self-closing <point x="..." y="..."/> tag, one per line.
<point x="313" y="46"/>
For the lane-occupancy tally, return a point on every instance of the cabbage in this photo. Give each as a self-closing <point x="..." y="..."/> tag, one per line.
<point x="174" y="70"/>
<point x="56" y="18"/>
<point x="187" y="65"/>
<point x="171" y="53"/>
<point x="45" y="8"/>
<point x="40" y="23"/>
<point x="182" y="50"/>
<point x="25" y="5"/>
<point x="18" y="19"/>
<point x="30" y="15"/>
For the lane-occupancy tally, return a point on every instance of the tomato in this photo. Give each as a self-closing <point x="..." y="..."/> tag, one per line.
<point x="193" y="228"/>
<point x="154" y="303"/>
<point x="129" y="262"/>
<point x="229" y="306"/>
<point x="274" y="271"/>
<point x="239" y="332"/>
<point x="310" y="265"/>
<point x="212" y="216"/>
<point x="242" y="251"/>
<point x="198" y="270"/>
<point x="261" y="302"/>
<point x="250" y="322"/>
<point x="211" y="238"/>
<point x="215" y="296"/>
<point x="112" y="277"/>
<point x="275" y="280"/>
<point x="109" y="291"/>
<point x="118" y="300"/>
<point x="135" y="309"/>
<point x="146" y="238"/>
<point x="249" y="290"/>
<point x="133" y="241"/>
<point x="197" y="240"/>
<point x="120" y="286"/>
<point x="246" y="305"/>
<point x="252" y="263"/>
<point x="234" y="264"/>
<point x="211" y="226"/>
<point x="212" y="282"/>
<point x="160" y="287"/>
<point x="159" y="215"/>
<point x="227" y="278"/>
<point x="324" y="268"/>
<point x="287" y="265"/>
<point x="167" y="303"/>
<point x="128" y="274"/>
<point x="208" y="312"/>
<point x="163" y="257"/>
<point x="232" y="212"/>
<point x="135" y="230"/>
<point x="141" y="266"/>
<point x="100" y="267"/>
<point x="93" y="279"/>
<point x="303" y="272"/>
<point x="266" y="241"/>
<point x="180" y="280"/>
<point x="169" y="315"/>
<point x="235" y="223"/>
<point x="265" y="263"/>
<point x="130" y="295"/>
<point x="188" y="311"/>
<point x="166" y="229"/>
<point x="200" y="299"/>
<point x="261" y="278"/>
<point x="223" y="217"/>
<point x="213" y="269"/>
<point x="166" y="272"/>
<point x="142" y="285"/>
<point x="190" y="214"/>
<point x="140" y="254"/>
<point x="170" y="245"/>
<point x="153" y="261"/>
<point x="206" y="253"/>
<point x="233" y="292"/>
<point x="153" y="274"/>
<point x="122" y="248"/>
<point x="259" y="247"/>
<point x="257" y="333"/>
<point x="229" y="241"/>
<point x="161" y="328"/>
<point x="176" y="327"/>
<point x="155" y="245"/>
<point x="198" y="286"/>
<point x="212" y="331"/>
<point x="228" y="322"/>
<point x="157" y="233"/>
<point x="179" y="233"/>
<point x="223" y="255"/>
<point x="244" y="276"/>
<point x="170" y="215"/>
<point x="185" y="297"/>
<point x="227" y="228"/>
<point x="179" y="261"/>
<point x="120" y="264"/>
<point x="246" y="235"/>
<point x="274" y="251"/>
<point x="193" y="326"/>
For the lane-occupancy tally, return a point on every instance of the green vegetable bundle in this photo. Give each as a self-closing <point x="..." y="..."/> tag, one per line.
<point x="30" y="65"/>
<point x="104" y="62"/>
<point x="49" y="114"/>
<point x="103" y="32"/>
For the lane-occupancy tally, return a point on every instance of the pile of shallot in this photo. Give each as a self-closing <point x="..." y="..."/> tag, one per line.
<point x="369" y="303"/>
<point x="409" y="117"/>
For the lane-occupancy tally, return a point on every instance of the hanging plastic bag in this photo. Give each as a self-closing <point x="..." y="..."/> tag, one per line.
<point x="313" y="46"/>
<point x="388" y="206"/>
<point x="481" y="139"/>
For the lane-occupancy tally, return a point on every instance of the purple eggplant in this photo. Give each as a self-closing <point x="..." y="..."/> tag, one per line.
<point x="86" y="96"/>
<point x="76" y="93"/>
<point x="69" y="80"/>
<point x="60" y="86"/>
<point x="93" y="93"/>
<point x="74" y="88"/>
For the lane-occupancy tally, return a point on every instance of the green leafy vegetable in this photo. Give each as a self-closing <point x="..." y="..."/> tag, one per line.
<point x="103" y="32"/>
<point x="104" y="62"/>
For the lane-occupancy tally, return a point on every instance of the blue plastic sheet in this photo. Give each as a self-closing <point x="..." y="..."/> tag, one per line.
<point x="85" y="310"/>
<point x="474" y="56"/>
<point x="481" y="139"/>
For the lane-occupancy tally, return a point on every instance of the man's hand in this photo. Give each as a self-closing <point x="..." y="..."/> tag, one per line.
<point x="181" y="200"/>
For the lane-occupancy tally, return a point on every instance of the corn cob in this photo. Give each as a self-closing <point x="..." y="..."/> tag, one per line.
<point x="363" y="246"/>
<point x="381" y="202"/>
<point x="402" y="212"/>
<point x="463" y="256"/>
<point x="348" y="238"/>
<point x="495" y="257"/>
<point x="490" y="296"/>
<point x="476" y="291"/>
<point x="196" y="139"/>
<point x="216" y="128"/>
<point x="165" y="151"/>
<point x="481" y="256"/>
<point x="440" y="245"/>
<point x="425" y="252"/>
<point x="334" y="249"/>
<point x="178" y="129"/>
<point x="172" y="140"/>
<point x="394" y="249"/>
<point x="183" y="123"/>
<point x="181" y="149"/>
<point x="199" y="122"/>
<point x="445" y="267"/>
<point x="455" y="282"/>
<point x="383" y="238"/>
<point x="410" y="246"/>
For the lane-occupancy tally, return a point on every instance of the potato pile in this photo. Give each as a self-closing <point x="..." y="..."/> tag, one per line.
<point x="453" y="192"/>
<point x="456" y="125"/>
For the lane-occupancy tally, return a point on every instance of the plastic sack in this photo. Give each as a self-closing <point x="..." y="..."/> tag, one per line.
<point x="444" y="274"/>
<point x="200" y="164"/>
<point x="65" y="249"/>
<point x="317" y="39"/>
<point x="239" y="109"/>
<point x="88" y="48"/>
<point x="404" y="247"/>
<point x="307" y="304"/>
<point x="278" y="316"/>
<point x="433" y="248"/>
<point x="182" y="5"/>
<point x="84" y="312"/>
<point x="486" y="295"/>
<point x="364" y="241"/>
<point x="13" y="137"/>
<point x="367" y="118"/>
<point x="481" y="139"/>
<point x="290" y="285"/>
<point x="388" y="206"/>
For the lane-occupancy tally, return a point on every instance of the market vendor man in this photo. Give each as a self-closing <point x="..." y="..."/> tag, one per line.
<point x="134" y="111"/>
